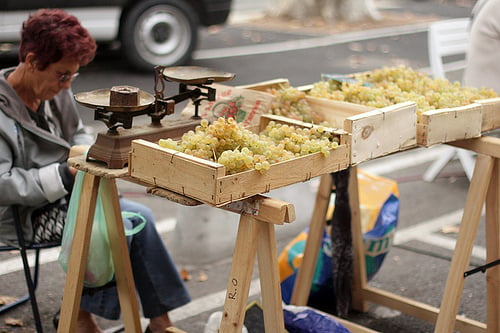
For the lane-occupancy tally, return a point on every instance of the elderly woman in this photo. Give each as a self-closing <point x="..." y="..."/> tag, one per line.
<point x="39" y="128"/>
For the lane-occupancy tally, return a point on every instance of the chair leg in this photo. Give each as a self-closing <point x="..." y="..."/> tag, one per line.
<point x="26" y="297"/>
<point x="31" y="284"/>
<point x="434" y="169"/>
<point x="27" y="271"/>
<point x="468" y="161"/>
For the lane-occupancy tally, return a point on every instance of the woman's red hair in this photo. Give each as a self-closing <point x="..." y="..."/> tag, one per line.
<point x="53" y="34"/>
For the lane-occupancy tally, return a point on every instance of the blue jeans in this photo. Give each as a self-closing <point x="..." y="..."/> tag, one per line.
<point x="157" y="281"/>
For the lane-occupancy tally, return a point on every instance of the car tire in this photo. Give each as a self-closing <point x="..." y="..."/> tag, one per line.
<point x="159" y="32"/>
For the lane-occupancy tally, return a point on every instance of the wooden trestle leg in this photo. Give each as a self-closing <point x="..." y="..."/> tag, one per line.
<point x="256" y="237"/>
<point x="79" y="252"/>
<point x="78" y="257"/>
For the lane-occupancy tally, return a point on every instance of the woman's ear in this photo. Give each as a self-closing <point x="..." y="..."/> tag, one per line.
<point x="31" y="61"/>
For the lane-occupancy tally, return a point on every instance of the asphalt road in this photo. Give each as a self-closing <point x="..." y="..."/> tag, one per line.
<point x="417" y="264"/>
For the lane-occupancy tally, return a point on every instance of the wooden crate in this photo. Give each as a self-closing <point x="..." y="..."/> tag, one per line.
<point x="446" y="125"/>
<point x="432" y="127"/>
<point x="374" y="132"/>
<point x="207" y="181"/>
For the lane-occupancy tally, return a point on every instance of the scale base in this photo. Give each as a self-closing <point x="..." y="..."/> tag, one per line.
<point x="113" y="148"/>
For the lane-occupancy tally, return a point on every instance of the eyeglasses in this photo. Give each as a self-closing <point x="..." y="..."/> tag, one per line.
<point x="62" y="78"/>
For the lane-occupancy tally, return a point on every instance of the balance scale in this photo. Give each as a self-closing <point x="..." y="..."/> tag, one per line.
<point x="117" y="107"/>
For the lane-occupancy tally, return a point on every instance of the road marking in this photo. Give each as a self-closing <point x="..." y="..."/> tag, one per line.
<point x="392" y="163"/>
<point x="209" y="302"/>
<point x="426" y="232"/>
<point x="308" y="43"/>
<point x="50" y="255"/>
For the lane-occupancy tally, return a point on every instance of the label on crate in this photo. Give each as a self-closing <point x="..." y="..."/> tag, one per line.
<point x="244" y="105"/>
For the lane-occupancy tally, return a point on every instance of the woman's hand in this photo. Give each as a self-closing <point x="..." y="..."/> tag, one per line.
<point x="78" y="150"/>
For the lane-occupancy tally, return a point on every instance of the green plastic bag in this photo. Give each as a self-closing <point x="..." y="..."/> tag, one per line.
<point x="100" y="268"/>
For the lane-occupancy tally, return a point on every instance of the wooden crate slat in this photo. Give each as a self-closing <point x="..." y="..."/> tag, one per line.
<point x="491" y="113"/>
<point x="382" y="131"/>
<point x="335" y="112"/>
<point x="265" y="85"/>
<point x="446" y="125"/>
<point x="300" y="169"/>
<point x="342" y="135"/>
<point x="179" y="172"/>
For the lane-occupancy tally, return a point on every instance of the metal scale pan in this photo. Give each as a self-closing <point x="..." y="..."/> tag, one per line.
<point x="112" y="147"/>
<point x="195" y="75"/>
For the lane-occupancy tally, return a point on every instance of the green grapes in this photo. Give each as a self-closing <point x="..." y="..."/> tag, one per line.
<point x="290" y="102"/>
<point x="379" y="88"/>
<point x="239" y="149"/>
<point x="391" y="85"/>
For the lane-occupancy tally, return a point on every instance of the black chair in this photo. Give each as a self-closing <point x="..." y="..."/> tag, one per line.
<point x="31" y="279"/>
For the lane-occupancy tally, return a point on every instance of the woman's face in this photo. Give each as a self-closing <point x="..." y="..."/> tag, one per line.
<point x="57" y="76"/>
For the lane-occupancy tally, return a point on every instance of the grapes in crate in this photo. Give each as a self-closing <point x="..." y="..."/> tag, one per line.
<point x="237" y="148"/>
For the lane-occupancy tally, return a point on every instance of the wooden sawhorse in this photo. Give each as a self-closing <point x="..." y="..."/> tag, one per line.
<point x="484" y="188"/>
<point x="255" y="237"/>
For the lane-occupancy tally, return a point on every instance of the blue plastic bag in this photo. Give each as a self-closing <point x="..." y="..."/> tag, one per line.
<point x="302" y="319"/>
<point x="100" y="269"/>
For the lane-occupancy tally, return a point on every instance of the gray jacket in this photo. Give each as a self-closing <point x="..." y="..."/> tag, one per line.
<point x="30" y="156"/>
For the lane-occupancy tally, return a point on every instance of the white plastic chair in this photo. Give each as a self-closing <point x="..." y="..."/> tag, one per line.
<point x="448" y="38"/>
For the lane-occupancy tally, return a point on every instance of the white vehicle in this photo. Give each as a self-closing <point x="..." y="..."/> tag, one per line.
<point x="150" y="32"/>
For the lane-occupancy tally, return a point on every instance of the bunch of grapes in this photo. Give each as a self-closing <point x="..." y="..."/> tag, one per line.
<point x="391" y="85"/>
<point x="238" y="149"/>
<point x="290" y="102"/>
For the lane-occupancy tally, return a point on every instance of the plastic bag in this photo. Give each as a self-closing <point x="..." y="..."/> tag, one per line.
<point x="100" y="268"/>
<point x="214" y="321"/>
<point x="379" y="205"/>
<point x="302" y="319"/>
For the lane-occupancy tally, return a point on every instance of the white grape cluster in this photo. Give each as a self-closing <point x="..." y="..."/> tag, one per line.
<point x="290" y="102"/>
<point x="392" y="85"/>
<point x="229" y="143"/>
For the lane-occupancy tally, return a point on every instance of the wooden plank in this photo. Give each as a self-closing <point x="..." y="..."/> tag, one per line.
<point x="96" y="168"/>
<point x="491" y="113"/>
<point x="121" y="258"/>
<point x="486" y="145"/>
<point x="303" y="282"/>
<point x="419" y="310"/>
<point x="335" y="112"/>
<point x="493" y="250"/>
<point x="476" y="197"/>
<point x="264" y="209"/>
<point x="269" y="279"/>
<point x="77" y="265"/>
<point x="446" y="125"/>
<point x="265" y="85"/>
<point x="248" y="183"/>
<point x="382" y="131"/>
<point x="240" y="276"/>
<point x="355" y="328"/>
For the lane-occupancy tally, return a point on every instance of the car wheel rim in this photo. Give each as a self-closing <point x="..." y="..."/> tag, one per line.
<point x="162" y="33"/>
